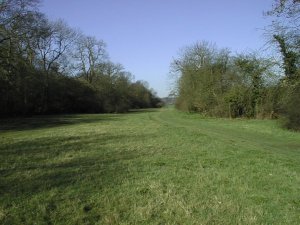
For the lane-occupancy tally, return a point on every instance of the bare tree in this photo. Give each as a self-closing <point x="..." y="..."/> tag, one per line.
<point x="89" y="54"/>
<point x="52" y="41"/>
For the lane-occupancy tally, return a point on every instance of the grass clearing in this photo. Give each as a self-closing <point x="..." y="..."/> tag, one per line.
<point x="148" y="167"/>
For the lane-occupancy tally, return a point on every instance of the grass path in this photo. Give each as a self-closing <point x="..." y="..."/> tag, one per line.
<point x="148" y="167"/>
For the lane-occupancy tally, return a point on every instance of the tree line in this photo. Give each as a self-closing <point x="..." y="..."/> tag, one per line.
<point x="213" y="81"/>
<point x="48" y="67"/>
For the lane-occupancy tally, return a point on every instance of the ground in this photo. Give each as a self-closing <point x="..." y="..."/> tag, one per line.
<point x="148" y="167"/>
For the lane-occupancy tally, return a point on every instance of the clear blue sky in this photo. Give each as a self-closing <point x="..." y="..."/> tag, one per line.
<point x="145" y="35"/>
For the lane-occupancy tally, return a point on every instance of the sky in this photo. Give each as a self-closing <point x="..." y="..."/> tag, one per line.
<point x="146" y="35"/>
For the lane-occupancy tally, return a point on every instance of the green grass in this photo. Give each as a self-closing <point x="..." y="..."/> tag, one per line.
<point x="148" y="167"/>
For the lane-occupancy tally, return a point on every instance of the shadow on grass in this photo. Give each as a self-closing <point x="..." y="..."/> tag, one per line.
<point x="143" y="110"/>
<point x="36" y="122"/>
<point x="36" y="166"/>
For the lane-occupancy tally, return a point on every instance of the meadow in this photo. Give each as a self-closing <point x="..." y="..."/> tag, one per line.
<point x="148" y="167"/>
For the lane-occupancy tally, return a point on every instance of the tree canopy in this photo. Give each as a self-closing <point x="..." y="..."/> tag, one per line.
<point x="48" y="67"/>
<point x="214" y="82"/>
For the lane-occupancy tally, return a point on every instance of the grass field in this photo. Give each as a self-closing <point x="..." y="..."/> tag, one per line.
<point x="148" y="167"/>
